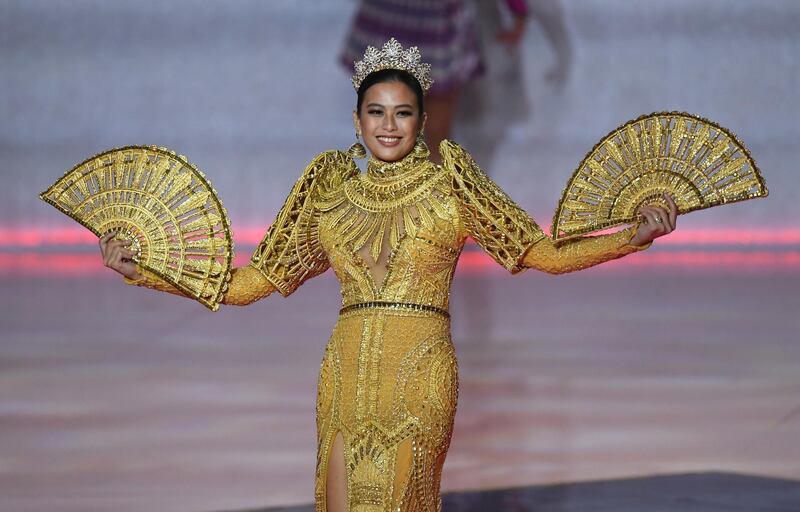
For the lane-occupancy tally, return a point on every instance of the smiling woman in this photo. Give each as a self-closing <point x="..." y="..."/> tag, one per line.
<point x="388" y="382"/>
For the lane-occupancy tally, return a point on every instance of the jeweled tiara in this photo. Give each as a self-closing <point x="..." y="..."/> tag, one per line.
<point x="392" y="56"/>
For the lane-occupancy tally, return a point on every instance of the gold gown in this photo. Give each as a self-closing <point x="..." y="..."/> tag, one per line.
<point x="388" y="381"/>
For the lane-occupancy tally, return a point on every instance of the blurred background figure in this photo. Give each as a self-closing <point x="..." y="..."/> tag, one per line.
<point x="488" y="108"/>
<point x="549" y="14"/>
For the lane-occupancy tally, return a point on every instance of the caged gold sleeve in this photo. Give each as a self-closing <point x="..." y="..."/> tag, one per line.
<point x="511" y="237"/>
<point x="290" y="252"/>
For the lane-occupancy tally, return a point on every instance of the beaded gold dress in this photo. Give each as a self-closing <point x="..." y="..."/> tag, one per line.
<point x="388" y="381"/>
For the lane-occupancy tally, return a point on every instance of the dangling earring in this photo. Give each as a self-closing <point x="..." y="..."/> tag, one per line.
<point x="357" y="150"/>
<point x="420" y="148"/>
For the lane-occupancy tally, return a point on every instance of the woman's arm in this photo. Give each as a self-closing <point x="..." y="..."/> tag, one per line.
<point x="289" y="253"/>
<point x="246" y="286"/>
<point x="508" y="234"/>
<point x="580" y="253"/>
<point x="588" y="251"/>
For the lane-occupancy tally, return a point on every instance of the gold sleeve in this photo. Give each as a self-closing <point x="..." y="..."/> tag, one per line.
<point x="246" y="286"/>
<point x="503" y="229"/>
<point x="581" y="252"/>
<point x="290" y="252"/>
<point x="510" y="236"/>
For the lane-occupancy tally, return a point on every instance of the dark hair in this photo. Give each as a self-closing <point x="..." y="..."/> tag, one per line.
<point x="390" y="75"/>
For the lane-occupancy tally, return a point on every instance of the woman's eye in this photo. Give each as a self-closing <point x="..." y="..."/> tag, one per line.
<point x="404" y="113"/>
<point x="375" y="111"/>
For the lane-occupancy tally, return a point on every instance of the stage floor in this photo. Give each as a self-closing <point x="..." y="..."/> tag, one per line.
<point x="122" y="398"/>
<point x="700" y="492"/>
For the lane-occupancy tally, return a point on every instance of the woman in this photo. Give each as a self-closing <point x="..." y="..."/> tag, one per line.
<point x="388" y="382"/>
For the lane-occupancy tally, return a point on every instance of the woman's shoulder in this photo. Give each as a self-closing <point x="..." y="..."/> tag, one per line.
<point x="325" y="175"/>
<point x="331" y="167"/>
<point x="334" y="160"/>
<point x="456" y="159"/>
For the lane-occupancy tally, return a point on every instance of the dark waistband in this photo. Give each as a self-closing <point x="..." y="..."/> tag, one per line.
<point x="395" y="305"/>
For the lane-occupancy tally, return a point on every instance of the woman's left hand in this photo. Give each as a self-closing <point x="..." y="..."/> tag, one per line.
<point x="657" y="222"/>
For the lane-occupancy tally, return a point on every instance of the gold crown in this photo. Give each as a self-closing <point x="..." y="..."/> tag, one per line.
<point x="392" y="56"/>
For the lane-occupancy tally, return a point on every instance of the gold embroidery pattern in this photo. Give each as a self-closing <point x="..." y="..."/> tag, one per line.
<point x="700" y="163"/>
<point x="401" y="215"/>
<point x="290" y="252"/>
<point x="383" y="201"/>
<point x="497" y="224"/>
<point x="580" y="253"/>
<point x="163" y="205"/>
<point x="247" y="285"/>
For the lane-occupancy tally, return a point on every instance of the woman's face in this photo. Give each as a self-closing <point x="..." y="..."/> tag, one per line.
<point x="389" y="120"/>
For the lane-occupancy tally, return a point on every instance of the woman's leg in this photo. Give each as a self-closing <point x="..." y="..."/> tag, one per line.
<point x="336" y="481"/>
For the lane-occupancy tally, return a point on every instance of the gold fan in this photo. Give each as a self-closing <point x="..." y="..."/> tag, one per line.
<point x="161" y="202"/>
<point x="698" y="162"/>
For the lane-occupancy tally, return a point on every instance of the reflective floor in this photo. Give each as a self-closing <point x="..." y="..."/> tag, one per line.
<point x="121" y="398"/>
<point x="700" y="492"/>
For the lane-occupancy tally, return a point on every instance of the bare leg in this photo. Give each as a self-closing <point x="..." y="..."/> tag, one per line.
<point x="336" y="484"/>
<point x="402" y="471"/>
<point x="550" y="14"/>
<point x="440" y="109"/>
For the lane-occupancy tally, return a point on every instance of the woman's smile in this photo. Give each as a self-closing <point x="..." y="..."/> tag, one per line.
<point x="389" y="141"/>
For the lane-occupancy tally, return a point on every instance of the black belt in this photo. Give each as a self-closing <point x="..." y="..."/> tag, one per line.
<point x="395" y="305"/>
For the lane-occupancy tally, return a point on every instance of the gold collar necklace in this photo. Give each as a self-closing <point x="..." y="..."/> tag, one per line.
<point x="381" y="170"/>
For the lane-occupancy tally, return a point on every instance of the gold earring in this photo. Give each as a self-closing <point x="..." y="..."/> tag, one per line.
<point x="420" y="148"/>
<point x="357" y="150"/>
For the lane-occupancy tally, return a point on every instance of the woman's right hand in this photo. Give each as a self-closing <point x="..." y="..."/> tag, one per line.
<point x="117" y="257"/>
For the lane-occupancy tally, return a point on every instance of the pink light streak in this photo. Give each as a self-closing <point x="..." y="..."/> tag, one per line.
<point x="66" y="264"/>
<point x="252" y="235"/>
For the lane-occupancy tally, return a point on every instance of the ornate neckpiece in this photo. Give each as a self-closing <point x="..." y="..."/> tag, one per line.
<point x="387" y="186"/>
<point x="391" y="196"/>
<point x="379" y="170"/>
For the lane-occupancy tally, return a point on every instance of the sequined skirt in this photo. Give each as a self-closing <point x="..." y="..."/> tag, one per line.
<point x="389" y="384"/>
